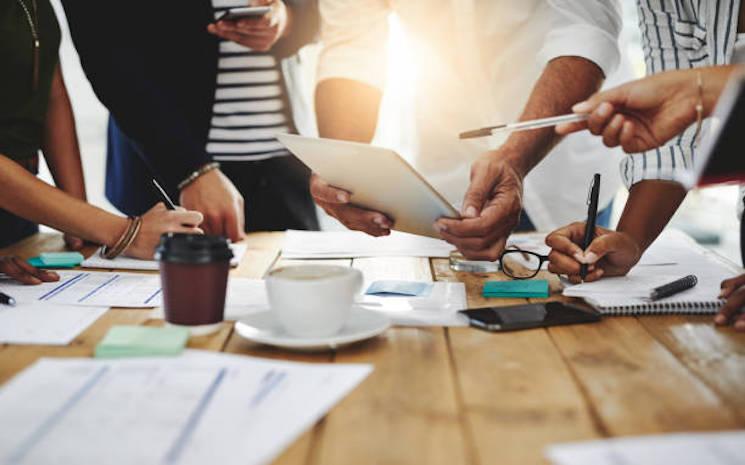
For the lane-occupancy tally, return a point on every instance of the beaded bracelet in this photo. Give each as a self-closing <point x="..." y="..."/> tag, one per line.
<point x="197" y="174"/>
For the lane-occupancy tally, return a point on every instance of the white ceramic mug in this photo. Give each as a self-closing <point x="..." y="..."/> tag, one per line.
<point x="313" y="300"/>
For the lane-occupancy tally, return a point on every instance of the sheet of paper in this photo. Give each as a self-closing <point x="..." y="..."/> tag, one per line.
<point x="680" y="449"/>
<point x="196" y="409"/>
<point x="393" y="288"/>
<point x="439" y="308"/>
<point x="126" y="263"/>
<point x="349" y="244"/>
<point x="90" y="288"/>
<point x="244" y="297"/>
<point x="44" y="323"/>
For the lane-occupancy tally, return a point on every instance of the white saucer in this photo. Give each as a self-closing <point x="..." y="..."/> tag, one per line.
<point x="263" y="328"/>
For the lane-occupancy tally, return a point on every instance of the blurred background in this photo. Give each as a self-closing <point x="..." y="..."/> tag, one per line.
<point x="709" y="215"/>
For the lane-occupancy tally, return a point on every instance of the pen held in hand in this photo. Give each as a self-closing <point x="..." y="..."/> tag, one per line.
<point x="163" y="195"/>
<point x="592" y="216"/>
<point x="523" y="125"/>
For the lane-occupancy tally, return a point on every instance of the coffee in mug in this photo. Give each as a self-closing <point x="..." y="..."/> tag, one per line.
<point x="312" y="300"/>
<point x="194" y="278"/>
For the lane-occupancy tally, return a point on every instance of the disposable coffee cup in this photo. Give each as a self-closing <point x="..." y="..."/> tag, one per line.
<point x="194" y="278"/>
<point x="312" y="301"/>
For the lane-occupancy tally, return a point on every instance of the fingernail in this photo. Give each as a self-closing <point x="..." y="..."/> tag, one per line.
<point x="380" y="221"/>
<point x="439" y="227"/>
<point x="605" y="109"/>
<point x="471" y="212"/>
<point x="720" y="319"/>
<point x="740" y="324"/>
<point x="341" y="197"/>
<point x="581" y="107"/>
<point x="590" y="257"/>
<point x="580" y="257"/>
<point x="601" y="272"/>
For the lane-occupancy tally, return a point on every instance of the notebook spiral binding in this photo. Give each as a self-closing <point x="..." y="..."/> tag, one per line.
<point x="665" y="308"/>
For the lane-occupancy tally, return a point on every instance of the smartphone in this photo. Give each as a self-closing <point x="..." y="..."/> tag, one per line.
<point x="528" y="316"/>
<point x="235" y="14"/>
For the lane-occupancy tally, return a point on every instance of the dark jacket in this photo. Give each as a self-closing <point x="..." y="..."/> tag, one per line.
<point x="154" y="66"/>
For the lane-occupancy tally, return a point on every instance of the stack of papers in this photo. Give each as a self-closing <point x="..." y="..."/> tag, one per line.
<point x="351" y="244"/>
<point x="142" y="341"/>
<point x="126" y="263"/>
<point x="41" y="323"/>
<point x="519" y="289"/>
<point x="679" y="449"/>
<point x="201" y="408"/>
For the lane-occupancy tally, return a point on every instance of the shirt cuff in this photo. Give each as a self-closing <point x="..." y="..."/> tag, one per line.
<point x="663" y="163"/>
<point x="582" y="41"/>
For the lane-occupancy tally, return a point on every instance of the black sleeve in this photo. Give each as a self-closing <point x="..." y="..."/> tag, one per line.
<point x="306" y="22"/>
<point x="113" y="42"/>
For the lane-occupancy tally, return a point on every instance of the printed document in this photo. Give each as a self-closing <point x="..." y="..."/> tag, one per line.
<point x="43" y="323"/>
<point x="127" y="263"/>
<point x="350" y="244"/>
<point x="200" y="408"/>
<point x="724" y="448"/>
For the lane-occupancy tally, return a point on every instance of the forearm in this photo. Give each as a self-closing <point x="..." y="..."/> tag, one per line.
<point x="25" y="195"/>
<point x="714" y="79"/>
<point x="347" y="109"/>
<point x="649" y="208"/>
<point x="564" y="82"/>
<point x="60" y="143"/>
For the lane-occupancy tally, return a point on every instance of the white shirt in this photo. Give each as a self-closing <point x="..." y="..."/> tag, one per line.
<point x="476" y="62"/>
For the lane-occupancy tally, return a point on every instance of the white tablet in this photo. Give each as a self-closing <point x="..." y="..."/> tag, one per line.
<point x="378" y="179"/>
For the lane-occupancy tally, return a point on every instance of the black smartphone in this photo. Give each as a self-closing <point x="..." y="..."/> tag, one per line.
<point x="234" y="14"/>
<point x="528" y="316"/>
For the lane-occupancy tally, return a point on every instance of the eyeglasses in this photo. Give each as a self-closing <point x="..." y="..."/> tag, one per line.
<point x="521" y="264"/>
<point x="515" y="262"/>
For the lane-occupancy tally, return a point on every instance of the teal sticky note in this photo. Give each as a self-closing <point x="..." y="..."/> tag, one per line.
<point x="57" y="260"/>
<point x="399" y="288"/>
<point x="528" y="288"/>
<point x="142" y="341"/>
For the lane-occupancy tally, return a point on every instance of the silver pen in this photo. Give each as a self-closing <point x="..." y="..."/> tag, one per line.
<point x="523" y="125"/>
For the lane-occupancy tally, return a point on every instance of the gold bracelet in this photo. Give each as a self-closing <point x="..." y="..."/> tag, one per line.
<point x="699" y="107"/>
<point x="135" y="231"/>
<point x="106" y="250"/>
<point x="127" y="238"/>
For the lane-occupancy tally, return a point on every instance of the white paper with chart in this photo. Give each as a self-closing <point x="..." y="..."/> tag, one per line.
<point x="200" y="408"/>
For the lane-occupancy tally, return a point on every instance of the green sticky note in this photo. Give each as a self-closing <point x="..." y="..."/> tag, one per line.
<point x="537" y="288"/>
<point x="142" y="341"/>
<point x="57" y="260"/>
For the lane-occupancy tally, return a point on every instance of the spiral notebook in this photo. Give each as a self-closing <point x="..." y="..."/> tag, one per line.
<point x="629" y="295"/>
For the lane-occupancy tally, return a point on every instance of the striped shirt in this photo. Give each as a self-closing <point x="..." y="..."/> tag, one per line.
<point x="680" y="34"/>
<point x="251" y="106"/>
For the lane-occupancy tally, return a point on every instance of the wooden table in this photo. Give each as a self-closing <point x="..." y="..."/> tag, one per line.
<point x="456" y="396"/>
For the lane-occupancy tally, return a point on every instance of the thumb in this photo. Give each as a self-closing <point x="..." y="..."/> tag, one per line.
<point x="600" y="247"/>
<point x="477" y="194"/>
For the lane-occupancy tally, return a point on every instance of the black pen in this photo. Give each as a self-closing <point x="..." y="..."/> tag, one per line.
<point x="679" y="285"/>
<point x="5" y="299"/>
<point x="163" y="196"/>
<point x="592" y="216"/>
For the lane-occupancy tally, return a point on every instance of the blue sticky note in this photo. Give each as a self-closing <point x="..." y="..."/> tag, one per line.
<point x="57" y="260"/>
<point x="537" y="288"/>
<point x="394" y="288"/>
